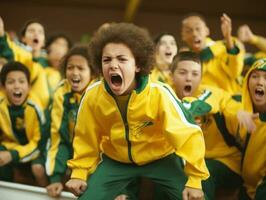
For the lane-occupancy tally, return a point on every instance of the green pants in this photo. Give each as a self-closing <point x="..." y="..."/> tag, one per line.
<point x="220" y="177"/>
<point x="112" y="177"/>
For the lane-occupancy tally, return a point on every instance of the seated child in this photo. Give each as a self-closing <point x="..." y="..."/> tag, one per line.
<point x="222" y="153"/>
<point x="79" y="74"/>
<point x="21" y="125"/>
<point x="252" y="132"/>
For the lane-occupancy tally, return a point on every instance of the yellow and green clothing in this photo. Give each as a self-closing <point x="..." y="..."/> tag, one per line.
<point x="162" y="76"/>
<point x="221" y="67"/>
<point x="21" y="130"/>
<point x="253" y="165"/>
<point x="155" y="125"/>
<point x="259" y="42"/>
<point x="223" y="153"/>
<point x="63" y="114"/>
<point x="13" y="52"/>
<point x="219" y="141"/>
<point x="53" y="78"/>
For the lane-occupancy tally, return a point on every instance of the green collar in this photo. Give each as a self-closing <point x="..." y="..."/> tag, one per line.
<point x="263" y="117"/>
<point x="142" y="81"/>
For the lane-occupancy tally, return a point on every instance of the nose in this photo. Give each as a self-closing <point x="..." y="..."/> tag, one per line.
<point x="113" y="65"/>
<point x="188" y="77"/>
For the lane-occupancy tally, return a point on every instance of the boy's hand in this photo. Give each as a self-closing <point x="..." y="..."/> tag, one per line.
<point x="2" y="29"/>
<point x="192" y="194"/>
<point x="245" y="34"/>
<point x="226" y="27"/>
<point x="54" y="189"/>
<point x="5" y="158"/>
<point x="76" y="186"/>
<point x="246" y="120"/>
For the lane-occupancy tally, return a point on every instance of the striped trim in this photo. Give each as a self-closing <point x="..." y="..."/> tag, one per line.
<point x="34" y="154"/>
<point x="38" y="111"/>
<point x="205" y="95"/>
<point x="175" y="104"/>
<point x="88" y="89"/>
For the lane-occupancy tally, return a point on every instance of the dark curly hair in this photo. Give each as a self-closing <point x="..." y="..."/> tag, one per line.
<point x="135" y="38"/>
<point x="80" y="50"/>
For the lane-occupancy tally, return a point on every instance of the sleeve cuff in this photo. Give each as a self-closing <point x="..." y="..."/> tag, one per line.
<point x="80" y="174"/>
<point x="254" y="39"/>
<point x="15" y="156"/>
<point x="234" y="51"/>
<point x="194" y="182"/>
<point x="55" y="178"/>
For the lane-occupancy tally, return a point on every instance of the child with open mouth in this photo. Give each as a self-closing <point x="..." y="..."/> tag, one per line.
<point x="211" y="107"/>
<point x="21" y="125"/>
<point x="79" y="74"/>
<point x="129" y="127"/>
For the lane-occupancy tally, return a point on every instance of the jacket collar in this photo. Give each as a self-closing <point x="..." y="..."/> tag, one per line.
<point x="142" y="81"/>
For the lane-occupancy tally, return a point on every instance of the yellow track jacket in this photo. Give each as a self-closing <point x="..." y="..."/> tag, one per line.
<point x="63" y="115"/>
<point x="219" y="140"/>
<point x="21" y="129"/>
<point x="13" y="52"/>
<point x="254" y="161"/>
<point x="156" y="126"/>
<point x="222" y="68"/>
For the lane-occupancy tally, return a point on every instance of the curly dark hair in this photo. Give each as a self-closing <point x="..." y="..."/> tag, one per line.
<point x="135" y="38"/>
<point x="80" y="50"/>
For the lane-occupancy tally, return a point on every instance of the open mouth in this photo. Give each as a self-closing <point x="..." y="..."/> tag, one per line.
<point x="187" y="88"/>
<point x="116" y="79"/>
<point x="168" y="54"/>
<point x="76" y="81"/>
<point x="17" y="94"/>
<point x="259" y="92"/>
<point x="35" y="41"/>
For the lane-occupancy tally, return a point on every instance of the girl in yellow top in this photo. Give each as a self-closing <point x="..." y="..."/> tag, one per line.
<point x="129" y="127"/>
<point x="21" y="125"/>
<point x="64" y="109"/>
<point x="252" y="133"/>
<point x="165" y="49"/>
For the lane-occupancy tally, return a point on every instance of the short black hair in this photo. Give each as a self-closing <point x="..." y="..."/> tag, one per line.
<point x="182" y="56"/>
<point x="29" y="22"/>
<point x="56" y="36"/>
<point x="13" y="66"/>
<point x="158" y="37"/>
<point x="135" y="38"/>
<point x="193" y="14"/>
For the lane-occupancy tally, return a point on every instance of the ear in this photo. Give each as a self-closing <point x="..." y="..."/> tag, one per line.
<point x="137" y="69"/>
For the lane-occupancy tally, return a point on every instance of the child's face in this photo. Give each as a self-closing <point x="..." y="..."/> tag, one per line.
<point x="57" y="50"/>
<point x="34" y="36"/>
<point x="257" y="89"/>
<point x="119" y="68"/>
<point x="78" y="72"/>
<point x="186" y="77"/>
<point x="194" y="32"/>
<point x="166" y="50"/>
<point x="16" y="87"/>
